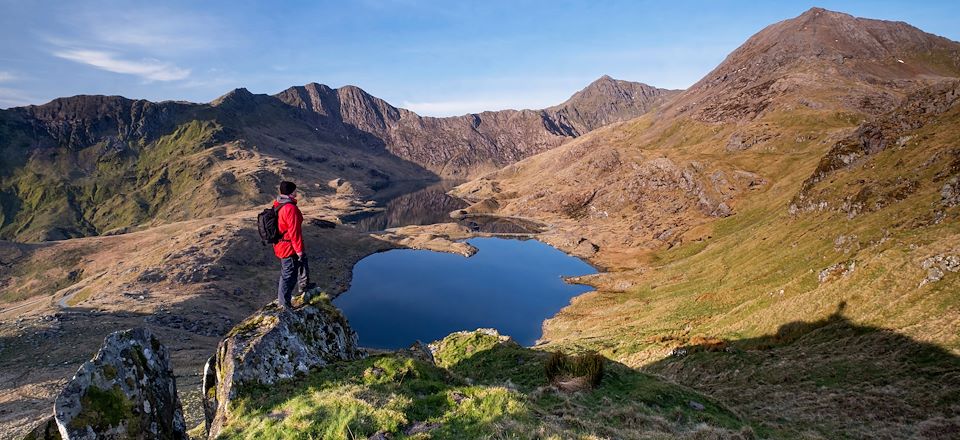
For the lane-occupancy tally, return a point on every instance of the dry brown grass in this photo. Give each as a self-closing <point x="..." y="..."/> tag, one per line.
<point x="740" y="296"/>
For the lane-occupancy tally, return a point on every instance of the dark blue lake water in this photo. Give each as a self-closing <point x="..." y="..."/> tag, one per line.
<point x="401" y="296"/>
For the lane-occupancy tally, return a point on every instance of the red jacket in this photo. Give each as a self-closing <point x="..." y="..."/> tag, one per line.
<point x="290" y="224"/>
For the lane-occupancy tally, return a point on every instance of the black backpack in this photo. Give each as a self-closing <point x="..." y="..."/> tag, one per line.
<point x="268" y="224"/>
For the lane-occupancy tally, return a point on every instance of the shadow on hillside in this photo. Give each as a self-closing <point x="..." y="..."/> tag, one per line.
<point x="829" y="376"/>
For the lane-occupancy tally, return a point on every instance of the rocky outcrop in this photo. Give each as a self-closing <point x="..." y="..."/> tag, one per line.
<point x="918" y="109"/>
<point x="838" y="270"/>
<point x="126" y="391"/>
<point x="950" y="192"/>
<point x="271" y="346"/>
<point x="937" y="267"/>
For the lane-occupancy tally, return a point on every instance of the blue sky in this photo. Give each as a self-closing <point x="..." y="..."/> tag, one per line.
<point x="434" y="57"/>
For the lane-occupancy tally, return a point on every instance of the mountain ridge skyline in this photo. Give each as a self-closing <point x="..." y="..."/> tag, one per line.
<point x="427" y="69"/>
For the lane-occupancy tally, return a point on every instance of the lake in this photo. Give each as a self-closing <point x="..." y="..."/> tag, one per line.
<point x="410" y="205"/>
<point x="401" y="296"/>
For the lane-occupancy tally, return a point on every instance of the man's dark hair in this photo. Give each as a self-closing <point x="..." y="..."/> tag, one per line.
<point x="287" y="188"/>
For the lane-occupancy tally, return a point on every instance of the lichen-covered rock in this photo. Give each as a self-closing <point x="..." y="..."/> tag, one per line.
<point x="271" y="346"/>
<point x="126" y="391"/>
<point x="950" y="193"/>
<point x="841" y="269"/>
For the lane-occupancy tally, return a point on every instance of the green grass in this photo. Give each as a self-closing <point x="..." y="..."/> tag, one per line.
<point x="761" y="332"/>
<point x="95" y="189"/>
<point x="481" y="387"/>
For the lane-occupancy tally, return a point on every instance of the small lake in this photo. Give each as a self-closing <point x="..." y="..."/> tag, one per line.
<point x="401" y="296"/>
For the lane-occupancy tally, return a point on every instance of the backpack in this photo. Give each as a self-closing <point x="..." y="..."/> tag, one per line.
<point x="268" y="222"/>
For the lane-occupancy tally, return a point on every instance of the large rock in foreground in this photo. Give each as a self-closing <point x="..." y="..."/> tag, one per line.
<point x="126" y="391"/>
<point x="271" y="346"/>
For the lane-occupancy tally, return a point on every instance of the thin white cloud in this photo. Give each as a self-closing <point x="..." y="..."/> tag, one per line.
<point x="157" y="31"/>
<point x="149" y="69"/>
<point x="7" y="76"/>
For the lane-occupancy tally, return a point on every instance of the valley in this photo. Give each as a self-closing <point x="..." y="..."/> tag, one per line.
<point x="776" y="248"/>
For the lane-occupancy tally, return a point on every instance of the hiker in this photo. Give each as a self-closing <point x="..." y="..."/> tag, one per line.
<point x="288" y="245"/>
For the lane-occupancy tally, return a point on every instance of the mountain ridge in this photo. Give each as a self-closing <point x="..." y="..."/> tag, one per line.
<point x="503" y="135"/>
<point x="92" y="148"/>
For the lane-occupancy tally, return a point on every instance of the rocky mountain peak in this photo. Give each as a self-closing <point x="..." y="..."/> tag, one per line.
<point x="236" y="96"/>
<point x="607" y="100"/>
<point x="312" y="97"/>
<point x="818" y="31"/>
<point x="822" y="50"/>
<point x="83" y="120"/>
<point x="605" y="79"/>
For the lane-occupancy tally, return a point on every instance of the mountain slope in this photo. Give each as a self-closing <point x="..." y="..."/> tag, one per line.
<point x="88" y="165"/>
<point x="771" y="237"/>
<point x="821" y="59"/>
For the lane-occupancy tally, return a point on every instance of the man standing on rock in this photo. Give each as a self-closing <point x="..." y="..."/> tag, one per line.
<point x="293" y="263"/>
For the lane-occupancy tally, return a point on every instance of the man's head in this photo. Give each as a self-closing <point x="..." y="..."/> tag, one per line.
<point x="287" y="188"/>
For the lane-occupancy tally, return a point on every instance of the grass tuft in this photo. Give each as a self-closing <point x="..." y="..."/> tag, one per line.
<point x="560" y="367"/>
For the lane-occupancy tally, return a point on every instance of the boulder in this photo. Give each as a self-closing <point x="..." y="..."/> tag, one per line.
<point x="274" y="345"/>
<point x="126" y="391"/>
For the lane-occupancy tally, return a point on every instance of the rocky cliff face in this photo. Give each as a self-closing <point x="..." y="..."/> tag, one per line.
<point x="464" y="146"/>
<point x="126" y="391"/>
<point x="81" y="121"/>
<point x="271" y="346"/>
